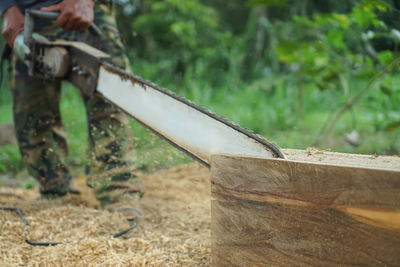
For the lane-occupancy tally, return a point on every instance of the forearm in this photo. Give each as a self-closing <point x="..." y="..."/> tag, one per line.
<point x="6" y="4"/>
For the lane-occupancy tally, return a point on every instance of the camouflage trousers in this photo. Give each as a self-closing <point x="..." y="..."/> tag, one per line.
<point x="41" y="135"/>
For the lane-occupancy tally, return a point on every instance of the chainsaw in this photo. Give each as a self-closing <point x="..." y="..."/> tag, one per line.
<point x="187" y="126"/>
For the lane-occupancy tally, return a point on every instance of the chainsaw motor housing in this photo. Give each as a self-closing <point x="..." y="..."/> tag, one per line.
<point x="49" y="59"/>
<point x="75" y="62"/>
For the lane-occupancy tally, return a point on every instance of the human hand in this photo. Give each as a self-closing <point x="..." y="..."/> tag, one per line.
<point x="75" y="15"/>
<point x="13" y="24"/>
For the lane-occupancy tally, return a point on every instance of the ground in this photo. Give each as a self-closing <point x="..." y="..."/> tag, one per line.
<point x="175" y="230"/>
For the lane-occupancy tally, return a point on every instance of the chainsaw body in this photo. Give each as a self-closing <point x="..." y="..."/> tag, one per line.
<point x="49" y="59"/>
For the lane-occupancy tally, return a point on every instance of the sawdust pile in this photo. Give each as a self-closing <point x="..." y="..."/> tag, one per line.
<point x="175" y="230"/>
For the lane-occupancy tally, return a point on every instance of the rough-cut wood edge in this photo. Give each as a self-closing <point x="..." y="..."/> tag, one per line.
<point x="314" y="155"/>
<point x="330" y="184"/>
<point x="343" y="198"/>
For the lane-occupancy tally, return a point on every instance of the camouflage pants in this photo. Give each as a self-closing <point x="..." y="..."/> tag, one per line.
<point x="40" y="133"/>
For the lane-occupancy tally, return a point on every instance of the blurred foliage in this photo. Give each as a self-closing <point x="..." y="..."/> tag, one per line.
<point x="178" y="34"/>
<point x="325" y="46"/>
<point x="304" y="45"/>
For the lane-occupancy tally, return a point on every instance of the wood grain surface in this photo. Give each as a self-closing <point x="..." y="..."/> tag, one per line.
<point x="272" y="212"/>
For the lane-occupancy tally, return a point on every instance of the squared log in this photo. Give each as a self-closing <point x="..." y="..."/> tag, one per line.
<point x="290" y="213"/>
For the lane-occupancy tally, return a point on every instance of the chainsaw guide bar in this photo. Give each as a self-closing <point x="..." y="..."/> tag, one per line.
<point x="187" y="126"/>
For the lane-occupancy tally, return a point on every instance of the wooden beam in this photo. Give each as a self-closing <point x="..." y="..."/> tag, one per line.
<point x="282" y="212"/>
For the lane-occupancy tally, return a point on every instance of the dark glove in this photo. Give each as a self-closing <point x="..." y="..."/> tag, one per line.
<point x="13" y="24"/>
<point x="75" y="15"/>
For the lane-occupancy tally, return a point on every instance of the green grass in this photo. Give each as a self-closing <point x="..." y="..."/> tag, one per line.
<point x="268" y="106"/>
<point x="10" y="159"/>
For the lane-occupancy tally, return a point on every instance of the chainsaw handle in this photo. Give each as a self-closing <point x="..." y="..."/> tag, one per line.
<point x="32" y="14"/>
<point x="38" y="14"/>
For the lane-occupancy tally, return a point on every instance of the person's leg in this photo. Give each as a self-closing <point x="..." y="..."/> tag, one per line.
<point x="110" y="163"/>
<point x="39" y="130"/>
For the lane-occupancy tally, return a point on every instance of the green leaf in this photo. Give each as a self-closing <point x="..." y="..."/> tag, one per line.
<point x="342" y="20"/>
<point x="385" y="89"/>
<point x="287" y="51"/>
<point x="251" y="3"/>
<point x="335" y="38"/>
<point x="380" y="5"/>
<point x="379" y="24"/>
<point x="362" y="16"/>
<point x="303" y="20"/>
<point x="385" y="57"/>
<point x="369" y="62"/>
<point x="392" y="126"/>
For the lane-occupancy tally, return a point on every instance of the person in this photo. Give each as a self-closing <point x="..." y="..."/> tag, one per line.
<point x="38" y="125"/>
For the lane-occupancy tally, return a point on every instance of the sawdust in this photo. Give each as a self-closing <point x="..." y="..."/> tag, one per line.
<point x="175" y="230"/>
<point x="316" y="155"/>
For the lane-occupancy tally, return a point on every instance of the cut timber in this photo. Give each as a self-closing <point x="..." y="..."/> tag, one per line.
<point x="319" y="209"/>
